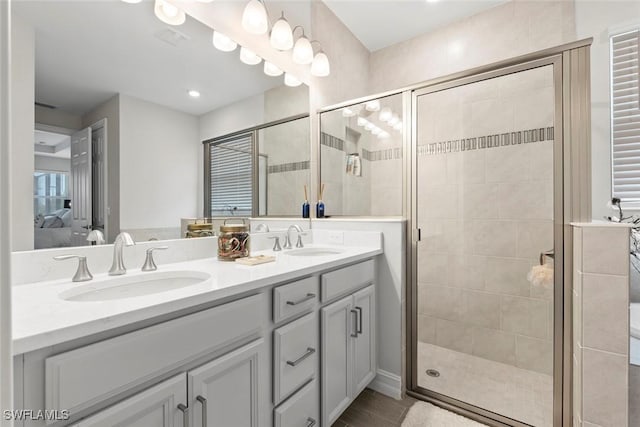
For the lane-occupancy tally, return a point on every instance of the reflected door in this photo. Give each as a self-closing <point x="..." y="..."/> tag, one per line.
<point x="81" y="187"/>
<point x="485" y="209"/>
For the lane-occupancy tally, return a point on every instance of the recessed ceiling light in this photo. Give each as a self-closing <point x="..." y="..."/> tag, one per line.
<point x="194" y="93"/>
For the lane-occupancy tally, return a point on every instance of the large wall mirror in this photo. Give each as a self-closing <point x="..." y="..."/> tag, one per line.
<point x="123" y="103"/>
<point x="361" y="158"/>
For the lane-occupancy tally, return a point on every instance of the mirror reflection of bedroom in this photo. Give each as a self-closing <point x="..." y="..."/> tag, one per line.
<point x="66" y="160"/>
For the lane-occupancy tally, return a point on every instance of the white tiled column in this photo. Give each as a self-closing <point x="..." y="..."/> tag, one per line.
<point x="601" y="325"/>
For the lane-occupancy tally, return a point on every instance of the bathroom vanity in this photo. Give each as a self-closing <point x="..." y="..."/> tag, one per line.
<point x="290" y="343"/>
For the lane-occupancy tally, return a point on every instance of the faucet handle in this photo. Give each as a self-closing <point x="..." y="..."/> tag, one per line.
<point x="276" y="243"/>
<point x="82" y="273"/>
<point x="299" y="243"/>
<point x="149" y="263"/>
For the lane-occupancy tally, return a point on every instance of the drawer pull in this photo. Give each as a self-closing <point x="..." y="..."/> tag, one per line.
<point x="355" y="334"/>
<point x="300" y="301"/>
<point x="310" y="422"/>
<point x="309" y="352"/>
<point x="185" y="414"/>
<point x="359" y="322"/>
<point x="203" y="402"/>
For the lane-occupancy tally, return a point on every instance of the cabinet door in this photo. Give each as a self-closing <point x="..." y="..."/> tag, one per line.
<point x="154" y="407"/>
<point x="338" y="323"/>
<point x="364" y="355"/>
<point x="228" y="391"/>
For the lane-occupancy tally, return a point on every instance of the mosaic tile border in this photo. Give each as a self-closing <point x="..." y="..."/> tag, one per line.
<point x="386" y="154"/>
<point x="331" y="141"/>
<point x="490" y="141"/>
<point x="289" y="167"/>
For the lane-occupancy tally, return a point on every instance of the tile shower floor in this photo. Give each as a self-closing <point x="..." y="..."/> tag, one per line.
<point x="504" y="389"/>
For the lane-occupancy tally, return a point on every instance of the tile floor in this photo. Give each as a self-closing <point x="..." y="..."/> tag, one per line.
<point x="504" y="389"/>
<point x="372" y="409"/>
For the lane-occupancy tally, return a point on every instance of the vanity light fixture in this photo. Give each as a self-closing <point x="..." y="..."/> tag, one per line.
<point x="281" y="35"/>
<point x="362" y="121"/>
<point x="249" y="57"/>
<point x="348" y="112"/>
<point x="254" y="18"/>
<point x="393" y="120"/>
<point x="320" y="66"/>
<point x="372" y="105"/>
<point x="272" y="70"/>
<point x="385" y="114"/>
<point x="194" y="93"/>
<point x="302" y="50"/>
<point x="369" y="126"/>
<point x="223" y="42"/>
<point x="168" y="13"/>
<point x="291" y="80"/>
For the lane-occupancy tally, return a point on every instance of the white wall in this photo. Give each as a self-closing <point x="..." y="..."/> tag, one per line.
<point x="6" y="354"/>
<point x="159" y="151"/>
<point x="58" y="118"/>
<point x="52" y="164"/>
<point x="110" y="110"/>
<point x="23" y="116"/>
<point x="597" y="19"/>
<point x="240" y="115"/>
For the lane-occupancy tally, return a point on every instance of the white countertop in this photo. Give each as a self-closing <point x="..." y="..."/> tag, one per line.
<point x="41" y="318"/>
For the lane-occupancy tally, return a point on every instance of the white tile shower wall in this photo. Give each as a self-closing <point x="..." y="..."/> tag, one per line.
<point x="601" y="324"/>
<point x="486" y="215"/>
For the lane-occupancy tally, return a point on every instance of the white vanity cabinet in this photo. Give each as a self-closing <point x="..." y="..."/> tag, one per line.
<point x="348" y="340"/>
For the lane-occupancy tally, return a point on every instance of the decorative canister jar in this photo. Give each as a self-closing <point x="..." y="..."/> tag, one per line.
<point x="233" y="240"/>
<point x="199" y="229"/>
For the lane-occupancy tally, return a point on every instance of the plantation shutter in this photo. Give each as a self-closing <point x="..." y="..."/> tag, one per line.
<point x="231" y="177"/>
<point x="625" y="117"/>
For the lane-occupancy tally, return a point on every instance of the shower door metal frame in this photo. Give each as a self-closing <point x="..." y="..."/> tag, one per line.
<point x="572" y="202"/>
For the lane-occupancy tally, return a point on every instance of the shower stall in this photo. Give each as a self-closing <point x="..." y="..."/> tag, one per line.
<point x="496" y="165"/>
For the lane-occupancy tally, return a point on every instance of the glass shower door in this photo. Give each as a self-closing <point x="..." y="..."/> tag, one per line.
<point x="484" y="205"/>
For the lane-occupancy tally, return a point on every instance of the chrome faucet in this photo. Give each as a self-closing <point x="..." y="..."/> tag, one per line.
<point x="287" y="240"/>
<point x="82" y="273"/>
<point x="261" y="228"/>
<point x="123" y="239"/>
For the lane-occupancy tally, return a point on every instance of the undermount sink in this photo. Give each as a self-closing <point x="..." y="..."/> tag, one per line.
<point x="134" y="286"/>
<point x="314" y="252"/>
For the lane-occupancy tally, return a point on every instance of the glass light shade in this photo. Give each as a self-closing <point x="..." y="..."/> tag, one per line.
<point x="272" y="70"/>
<point x="348" y="112"/>
<point x="194" y="93"/>
<point x="372" y="105"/>
<point x="320" y="66"/>
<point x="394" y="120"/>
<point x="281" y="35"/>
<point x="369" y="126"/>
<point x="254" y="18"/>
<point x="362" y="121"/>
<point x="385" y="114"/>
<point x="291" y="81"/>
<point x="398" y="126"/>
<point x="302" y="51"/>
<point x="223" y="43"/>
<point x="168" y="13"/>
<point x="249" y="57"/>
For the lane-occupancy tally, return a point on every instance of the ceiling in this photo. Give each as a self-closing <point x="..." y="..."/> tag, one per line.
<point x="381" y="23"/>
<point x="86" y="52"/>
<point x="52" y="144"/>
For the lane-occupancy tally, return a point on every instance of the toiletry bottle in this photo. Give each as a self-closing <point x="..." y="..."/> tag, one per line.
<point x="305" y="209"/>
<point x="320" y="209"/>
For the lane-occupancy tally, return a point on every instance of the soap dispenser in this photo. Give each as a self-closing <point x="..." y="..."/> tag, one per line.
<point x="320" y="205"/>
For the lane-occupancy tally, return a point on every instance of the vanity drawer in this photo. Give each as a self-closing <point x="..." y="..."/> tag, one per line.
<point x="346" y="280"/>
<point x="300" y="410"/>
<point x="80" y="378"/>
<point x="294" y="298"/>
<point x="295" y="355"/>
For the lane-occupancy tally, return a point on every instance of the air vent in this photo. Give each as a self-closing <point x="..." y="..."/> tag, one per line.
<point x="171" y="36"/>
<point x="43" y="105"/>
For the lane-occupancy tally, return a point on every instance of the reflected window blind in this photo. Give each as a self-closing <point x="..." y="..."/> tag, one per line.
<point x="231" y="178"/>
<point x="625" y="117"/>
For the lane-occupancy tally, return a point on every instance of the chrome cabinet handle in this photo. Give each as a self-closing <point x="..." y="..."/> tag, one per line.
<point x="203" y="402"/>
<point x="300" y="301"/>
<point x="359" y="322"/>
<point x="185" y="414"/>
<point x="310" y="351"/>
<point x="310" y="422"/>
<point x="355" y="335"/>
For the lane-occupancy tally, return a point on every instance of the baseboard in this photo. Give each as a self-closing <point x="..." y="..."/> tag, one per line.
<point x="388" y="384"/>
